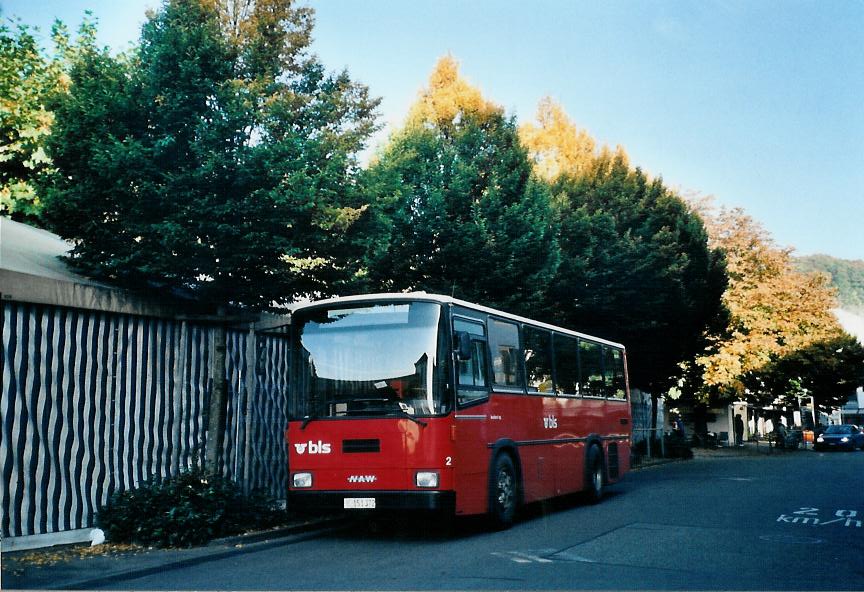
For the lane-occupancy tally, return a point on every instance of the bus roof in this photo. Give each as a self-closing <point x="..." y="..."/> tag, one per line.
<point x="426" y="297"/>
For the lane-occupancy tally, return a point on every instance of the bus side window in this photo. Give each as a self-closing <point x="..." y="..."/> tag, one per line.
<point x="566" y="365"/>
<point x="614" y="371"/>
<point x="538" y="360"/>
<point x="471" y="373"/>
<point x="504" y="351"/>
<point x="591" y="360"/>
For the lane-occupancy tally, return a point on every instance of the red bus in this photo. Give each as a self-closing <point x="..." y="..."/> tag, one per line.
<point x="419" y="401"/>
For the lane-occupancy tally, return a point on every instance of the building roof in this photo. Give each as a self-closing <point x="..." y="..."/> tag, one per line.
<point x="32" y="271"/>
<point x="37" y="252"/>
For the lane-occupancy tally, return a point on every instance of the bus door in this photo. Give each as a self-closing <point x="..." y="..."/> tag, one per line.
<point x="617" y="413"/>
<point x="471" y="454"/>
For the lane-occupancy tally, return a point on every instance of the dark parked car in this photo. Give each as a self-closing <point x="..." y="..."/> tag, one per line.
<point x="840" y="437"/>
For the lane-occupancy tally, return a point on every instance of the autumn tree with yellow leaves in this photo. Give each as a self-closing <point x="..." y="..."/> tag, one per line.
<point x="558" y="148"/>
<point x="450" y="101"/>
<point x="637" y="263"/>
<point x="776" y="314"/>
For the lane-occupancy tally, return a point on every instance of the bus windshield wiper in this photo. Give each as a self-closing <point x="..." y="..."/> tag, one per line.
<point x="307" y="419"/>
<point x="407" y="415"/>
<point x="398" y="410"/>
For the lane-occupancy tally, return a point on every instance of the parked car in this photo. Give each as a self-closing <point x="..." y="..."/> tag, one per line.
<point x="788" y="439"/>
<point x="840" y="437"/>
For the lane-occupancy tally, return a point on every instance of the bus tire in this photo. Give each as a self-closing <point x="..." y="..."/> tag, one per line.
<point x="594" y="475"/>
<point x="503" y="492"/>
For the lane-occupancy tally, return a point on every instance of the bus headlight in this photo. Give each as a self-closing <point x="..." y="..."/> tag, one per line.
<point x="302" y="479"/>
<point x="426" y="478"/>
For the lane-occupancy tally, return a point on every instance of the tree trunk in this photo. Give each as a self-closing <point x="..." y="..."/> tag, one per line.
<point x="218" y="410"/>
<point x="700" y="419"/>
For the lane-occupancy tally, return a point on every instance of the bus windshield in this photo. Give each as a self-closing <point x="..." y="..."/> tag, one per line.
<point x="370" y="360"/>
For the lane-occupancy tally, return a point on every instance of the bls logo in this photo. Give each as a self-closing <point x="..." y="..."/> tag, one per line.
<point x="550" y="422"/>
<point x="318" y="447"/>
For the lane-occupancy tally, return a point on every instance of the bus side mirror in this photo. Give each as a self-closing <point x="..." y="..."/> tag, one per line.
<point x="463" y="349"/>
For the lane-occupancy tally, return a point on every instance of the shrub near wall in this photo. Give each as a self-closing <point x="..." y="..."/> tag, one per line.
<point x="189" y="509"/>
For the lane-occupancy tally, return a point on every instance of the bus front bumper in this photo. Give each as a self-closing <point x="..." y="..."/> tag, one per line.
<point x="383" y="500"/>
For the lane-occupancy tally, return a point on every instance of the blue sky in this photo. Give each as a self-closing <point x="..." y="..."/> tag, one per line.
<point x="759" y="103"/>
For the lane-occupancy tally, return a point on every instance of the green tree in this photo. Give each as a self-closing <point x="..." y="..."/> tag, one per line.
<point x="28" y="79"/>
<point x="636" y="268"/>
<point x="635" y="263"/>
<point x="217" y="159"/>
<point x="462" y="212"/>
<point x="829" y="371"/>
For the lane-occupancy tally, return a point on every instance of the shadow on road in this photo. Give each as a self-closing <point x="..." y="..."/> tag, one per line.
<point x="436" y="528"/>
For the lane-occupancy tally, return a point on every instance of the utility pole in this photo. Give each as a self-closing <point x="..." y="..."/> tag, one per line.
<point x="813" y="410"/>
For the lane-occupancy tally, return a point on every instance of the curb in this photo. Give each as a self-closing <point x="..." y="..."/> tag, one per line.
<point x="659" y="462"/>
<point x="254" y="537"/>
<point x="719" y="453"/>
<point x="250" y="544"/>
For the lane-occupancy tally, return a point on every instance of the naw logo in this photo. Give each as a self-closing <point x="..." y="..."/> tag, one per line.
<point x="318" y="447"/>
<point x="362" y="479"/>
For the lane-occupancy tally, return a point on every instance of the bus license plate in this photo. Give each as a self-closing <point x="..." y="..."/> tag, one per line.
<point x="359" y="503"/>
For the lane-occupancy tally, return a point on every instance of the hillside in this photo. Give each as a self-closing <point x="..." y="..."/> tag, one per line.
<point x="847" y="276"/>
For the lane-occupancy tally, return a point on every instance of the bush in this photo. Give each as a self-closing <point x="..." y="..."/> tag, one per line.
<point x="189" y="509"/>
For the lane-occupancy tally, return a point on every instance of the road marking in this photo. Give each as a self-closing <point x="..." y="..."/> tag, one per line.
<point x="541" y="556"/>
<point x="811" y="516"/>
<point x="570" y="556"/>
<point x="527" y="556"/>
<point x="786" y="538"/>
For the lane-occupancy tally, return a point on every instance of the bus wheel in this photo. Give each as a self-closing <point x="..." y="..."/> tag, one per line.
<point x="503" y="492"/>
<point x="595" y="475"/>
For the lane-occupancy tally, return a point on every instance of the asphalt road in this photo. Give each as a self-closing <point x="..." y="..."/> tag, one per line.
<point x="787" y="521"/>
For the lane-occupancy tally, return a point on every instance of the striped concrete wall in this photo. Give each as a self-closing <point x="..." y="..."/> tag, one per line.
<point x="267" y="461"/>
<point x="93" y="402"/>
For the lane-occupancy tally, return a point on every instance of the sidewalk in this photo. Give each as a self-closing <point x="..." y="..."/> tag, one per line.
<point x="749" y="449"/>
<point x="81" y="567"/>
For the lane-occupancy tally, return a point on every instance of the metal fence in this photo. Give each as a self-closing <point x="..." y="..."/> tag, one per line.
<point x="645" y="438"/>
<point x="94" y="402"/>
